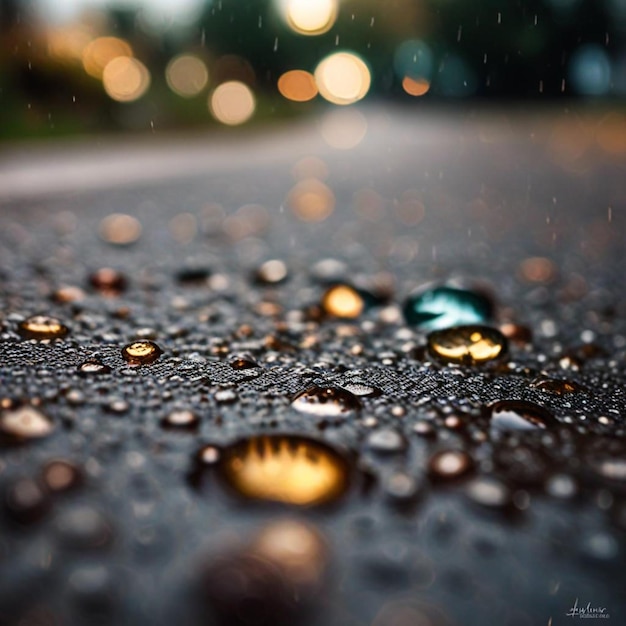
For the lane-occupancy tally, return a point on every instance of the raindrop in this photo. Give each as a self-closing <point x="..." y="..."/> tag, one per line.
<point x="108" y="282"/>
<point x="25" y="422"/>
<point x="181" y="419"/>
<point x="288" y="469"/>
<point x="467" y="345"/>
<point x="42" y="327"/>
<point x="386" y="441"/>
<point x="343" y="301"/>
<point x="141" y="352"/>
<point x="450" y="464"/>
<point x="611" y="468"/>
<point x="555" y="386"/>
<point x="326" y="402"/>
<point x="439" y="307"/>
<point x="120" y="229"/>
<point x="26" y="501"/>
<point x="363" y="390"/>
<point x="271" y="272"/>
<point x="93" y="366"/>
<point x="60" y="475"/>
<point x="488" y="492"/>
<point x="242" y="362"/>
<point x="520" y="415"/>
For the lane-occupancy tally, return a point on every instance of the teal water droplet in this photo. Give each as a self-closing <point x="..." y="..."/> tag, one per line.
<point x="436" y="308"/>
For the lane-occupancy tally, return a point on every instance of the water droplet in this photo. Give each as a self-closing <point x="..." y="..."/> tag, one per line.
<point x="517" y="333"/>
<point x="25" y="422"/>
<point x="520" y="415"/>
<point x="209" y="455"/>
<point x="42" y="327"/>
<point x="424" y="429"/>
<point x="561" y="486"/>
<point x="26" y="501"/>
<point x="60" y="475"/>
<point x="611" y="468"/>
<point x="83" y="527"/>
<point x="488" y="492"/>
<point x="326" y="402"/>
<point x="467" y="345"/>
<point x="343" y="301"/>
<point x="120" y="229"/>
<point x="402" y="488"/>
<point x="225" y="396"/>
<point x="555" y="386"/>
<point x="450" y="464"/>
<point x="439" y="307"/>
<point x="242" y="362"/>
<point x="141" y="352"/>
<point x="181" y="419"/>
<point x="68" y="293"/>
<point x="93" y="366"/>
<point x="288" y="469"/>
<point x="363" y="390"/>
<point x="386" y="441"/>
<point x="271" y="272"/>
<point x="108" y="282"/>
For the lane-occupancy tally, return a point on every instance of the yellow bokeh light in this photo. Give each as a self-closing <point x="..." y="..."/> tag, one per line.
<point x="125" y="79"/>
<point x="311" y="200"/>
<point x="297" y="85"/>
<point x="232" y="103"/>
<point x="101" y="51"/>
<point x="68" y="42"/>
<point x="343" y="78"/>
<point x="311" y="17"/>
<point x="415" y="86"/>
<point x="186" y="75"/>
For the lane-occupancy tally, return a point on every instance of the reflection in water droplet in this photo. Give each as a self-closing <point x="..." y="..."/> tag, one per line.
<point x="363" y="390"/>
<point x="271" y="272"/>
<point x="93" y="366"/>
<point x="436" y="308"/>
<point x="242" y="362"/>
<point x="326" y="402"/>
<point x="288" y="469"/>
<point x="42" y="327"/>
<point x="108" y="282"/>
<point x="467" y="345"/>
<point x="141" y="352"/>
<point x="520" y="415"/>
<point x="488" y="492"/>
<point x="25" y="422"/>
<point x="449" y="464"/>
<point x="386" y="441"/>
<point x="182" y="419"/>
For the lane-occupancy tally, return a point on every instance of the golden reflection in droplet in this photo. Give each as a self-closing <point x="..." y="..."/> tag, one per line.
<point x="101" y="51"/>
<point x="537" y="269"/>
<point x="125" y="79"/>
<point x="611" y="133"/>
<point x="343" y="78"/>
<point x="343" y="129"/>
<point x="467" y="345"/>
<point x="311" y="17"/>
<point x="343" y="301"/>
<point x="288" y="469"/>
<point x="310" y="167"/>
<point x="415" y="86"/>
<point x="297" y="85"/>
<point x="186" y="75"/>
<point x="232" y="103"/>
<point x="120" y="229"/>
<point x="141" y="352"/>
<point x="311" y="200"/>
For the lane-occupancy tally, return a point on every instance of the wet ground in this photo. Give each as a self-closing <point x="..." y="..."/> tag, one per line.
<point x="200" y="436"/>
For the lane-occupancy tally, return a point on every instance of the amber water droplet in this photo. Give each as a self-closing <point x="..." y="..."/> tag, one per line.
<point x="108" y="282"/>
<point x="442" y="306"/>
<point x="68" y="293"/>
<point x="141" y="352"/>
<point x="555" y="386"/>
<point x="326" y="402"/>
<point x="467" y="345"/>
<point x="288" y="469"/>
<point x="93" y="366"/>
<point x="343" y="301"/>
<point x="450" y="464"/>
<point x="520" y="415"/>
<point x="42" y="327"/>
<point x="182" y="419"/>
<point x="242" y="362"/>
<point x="60" y="475"/>
<point x="25" y="422"/>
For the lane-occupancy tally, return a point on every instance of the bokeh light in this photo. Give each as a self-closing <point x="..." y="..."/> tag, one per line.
<point x="297" y="85"/>
<point x="413" y="58"/>
<point x="187" y="75"/>
<point x="311" y="200"/>
<point x="590" y="71"/>
<point x="101" y="51"/>
<point x="456" y="78"/>
<point x="310" y="17"/>
<point x="232" y="103"/>
<point x="343" y="129"/>
<point x="125" y="79"/>
<point x="343" y="78"/>
<point x="415" y="86"/>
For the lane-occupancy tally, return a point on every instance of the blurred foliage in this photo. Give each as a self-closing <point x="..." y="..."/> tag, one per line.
<point x="485" y="49"/>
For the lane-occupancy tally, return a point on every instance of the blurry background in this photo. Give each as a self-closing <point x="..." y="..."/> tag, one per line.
<point x="94" y="66"/>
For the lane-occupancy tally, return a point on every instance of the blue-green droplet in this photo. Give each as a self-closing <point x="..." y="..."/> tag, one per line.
<point x="436" y="308"/>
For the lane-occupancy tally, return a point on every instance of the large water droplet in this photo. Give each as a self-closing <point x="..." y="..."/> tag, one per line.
<point x="93" y="366"/>
<point x="42" y="327"/>
<point x="467" y="345"/>
<point x="343" y="301"/>
<point x="25" y="422"/>
<point x="435" y="308"/>
<point x="520" y="415"/>
<point x="288" y="469"/>
<point x="326" y="402"/>
<point x="141" y="352"/>
<point x="555" y="386"/>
